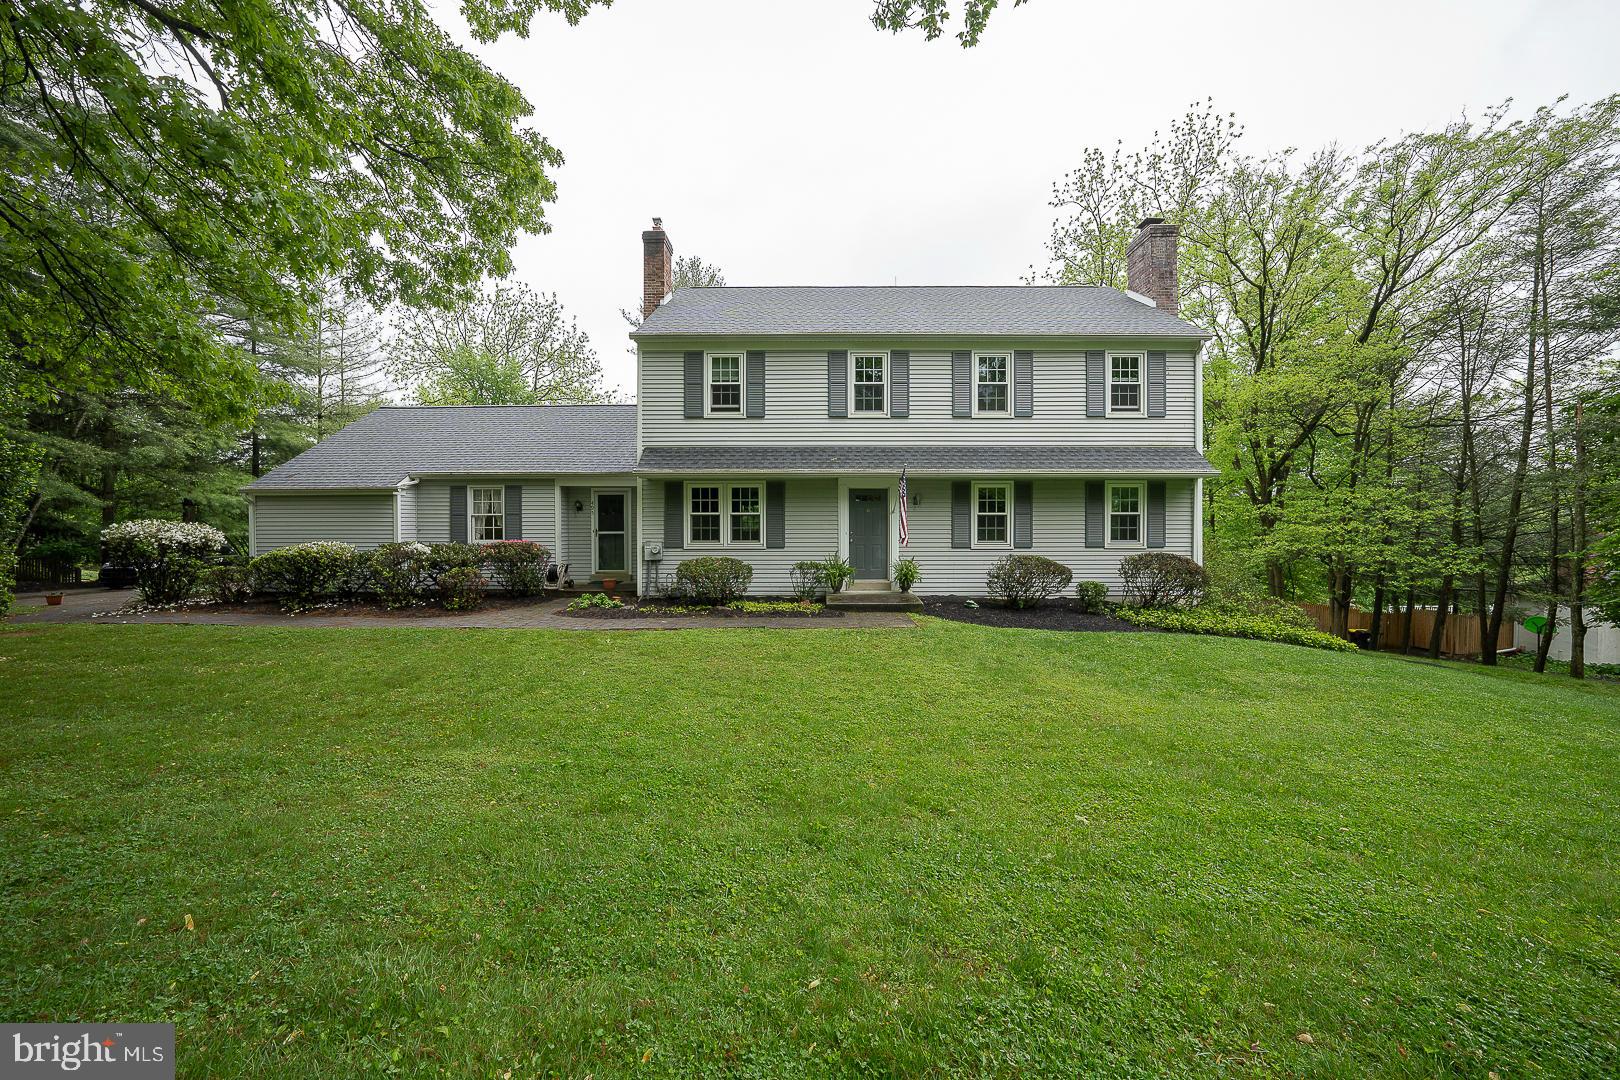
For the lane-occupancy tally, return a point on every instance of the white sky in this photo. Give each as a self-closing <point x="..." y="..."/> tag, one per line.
<point x="791" y="143"/>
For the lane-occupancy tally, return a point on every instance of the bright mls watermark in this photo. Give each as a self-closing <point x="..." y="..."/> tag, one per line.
<point x="128" y="1051"/>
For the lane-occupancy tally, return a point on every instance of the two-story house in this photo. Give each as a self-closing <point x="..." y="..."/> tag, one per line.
<point x="774" y="424"/>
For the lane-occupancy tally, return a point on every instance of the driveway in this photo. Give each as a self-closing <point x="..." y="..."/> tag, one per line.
<point x="107" y="606"/>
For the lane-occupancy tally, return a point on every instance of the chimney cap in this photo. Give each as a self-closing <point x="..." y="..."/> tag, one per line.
<point x="658" y="223"/>
<point x="1151" y="221"/>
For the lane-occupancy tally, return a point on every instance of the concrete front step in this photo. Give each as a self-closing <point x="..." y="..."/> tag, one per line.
<point x="874" y="600"/>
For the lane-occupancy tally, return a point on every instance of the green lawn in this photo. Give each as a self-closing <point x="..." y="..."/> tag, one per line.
<point x="953" y="849"/>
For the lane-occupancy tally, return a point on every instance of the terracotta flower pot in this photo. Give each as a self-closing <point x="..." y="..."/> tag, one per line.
<point x="54" y="599"/>
<point x="610" y="583"/>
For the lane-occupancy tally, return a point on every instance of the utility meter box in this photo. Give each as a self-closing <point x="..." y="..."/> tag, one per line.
<point x="652" y="551"/>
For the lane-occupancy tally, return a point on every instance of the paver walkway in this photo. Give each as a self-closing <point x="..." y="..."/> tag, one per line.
<point x="104" y="606"/>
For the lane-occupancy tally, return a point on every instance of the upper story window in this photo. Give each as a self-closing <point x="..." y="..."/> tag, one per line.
<point x="725" y="384"/>
<point x="488" y="507"/>
<point x="870" y="375"/>
<point x="719" y="513"/>
<point x="991" y="518"/>
<point x="991" y="393"/>
<point x="1125" y="515"/>
<point x="1124" y="383"/>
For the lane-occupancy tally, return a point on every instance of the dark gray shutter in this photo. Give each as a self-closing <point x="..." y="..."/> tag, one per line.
<point x="458" y="513"/>
<point x="692" y="378"/>
<point x="1023" y="383"/>
<point x="1096" y="519"/>
<point x="756" y="383"/>
<point x="1096" y="384"/>
<point x="512" y="527"/>
<point x="674" y="514"/>
<point x="900" y="383"/>
<point x="775" y="514"/>
<point x="1155" y="514"/>
<point x="962" y="383"/>
<point x="1023" y="514"/>
<point x="1155" y="384"/>
<point x="961" y="514"/>
<point x="838" y="382"/>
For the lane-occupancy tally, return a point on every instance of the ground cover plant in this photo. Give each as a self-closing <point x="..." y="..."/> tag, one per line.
<point x="1232" y="623"/>
<point x="735" y="852"/>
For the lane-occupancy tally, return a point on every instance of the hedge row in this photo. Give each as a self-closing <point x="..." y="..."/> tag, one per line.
<point x="400" y="575"/>
<point x="1204" y="620"/>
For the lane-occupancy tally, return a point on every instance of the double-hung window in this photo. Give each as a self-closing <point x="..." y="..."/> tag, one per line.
<point x="870" y="375"/>
<point x="991" y="394"/>
<point x="1124" y="383"/>
<point x="1125" y="515"/>
<point x="992" y="517"/>
<point x="725" y="513"/>
<point x="488" y="505"/>
<point x="725" y="384"/>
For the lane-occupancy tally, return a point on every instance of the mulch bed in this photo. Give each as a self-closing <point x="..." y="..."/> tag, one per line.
<point x="368" y="608"/>
<point x="1059" y="614"/>
<point x="657" y="609"/>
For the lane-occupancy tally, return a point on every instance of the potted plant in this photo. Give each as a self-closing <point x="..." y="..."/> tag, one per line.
<point x="54" y="599"/>
<point x="610" y="583"/>
<point x="906" y="573"/>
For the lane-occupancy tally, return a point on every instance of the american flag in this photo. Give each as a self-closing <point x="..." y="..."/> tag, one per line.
<point x="904" y="529"/>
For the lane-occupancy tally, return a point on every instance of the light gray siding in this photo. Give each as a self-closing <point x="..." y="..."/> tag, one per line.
<point x="1058" y="521"/>
<point x="796" y="406"/>
<point x="432" y="498"/>
<point x="364" y="519"/>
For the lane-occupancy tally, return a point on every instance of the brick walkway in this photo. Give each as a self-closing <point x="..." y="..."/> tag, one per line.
<point x="103" y="606"/>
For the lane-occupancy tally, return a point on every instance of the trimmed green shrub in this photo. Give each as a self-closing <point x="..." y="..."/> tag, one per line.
<point x="775" y="607"/>
<point x="461" y="588"/>
<point x="1092" y="597"/>
<point x="518" y="566"/>
<point x="906" y="573"/>
<point x="595" y="600"/>
<point x="1161" y="579"/>
<point x="1024" y="581"/>
<point x="453" y="556"/>
<point x="229" y="583"/>
<point x="402" y="574"/>
<point x="804" y="580"/>
<point x="167" y="557"/>
<point x="1205" y="620"/>
<point x="713" y="579"/>
<point x="303" y="575"/>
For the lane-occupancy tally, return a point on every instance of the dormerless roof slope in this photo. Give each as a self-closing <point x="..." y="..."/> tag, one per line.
<point x="921" y="310"/>
<point x="383" y="448"/>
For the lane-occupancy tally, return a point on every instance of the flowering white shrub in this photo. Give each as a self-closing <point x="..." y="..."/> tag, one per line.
<point x="165" y="556"/>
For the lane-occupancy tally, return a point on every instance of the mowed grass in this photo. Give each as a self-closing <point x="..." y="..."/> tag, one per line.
<point x="803" y="853"/>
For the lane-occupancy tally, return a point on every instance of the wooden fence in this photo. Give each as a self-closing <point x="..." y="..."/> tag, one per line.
<point x="41" y="571"/>
<point x="1460" y="638"/>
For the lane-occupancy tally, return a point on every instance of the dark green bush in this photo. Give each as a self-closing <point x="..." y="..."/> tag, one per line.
<point x="1023" y="581"/>
<point x="1205" y="620"/>
<point x="461" y="588"/>
<point x="303" y="575"/>
<point x="1091" y="597"/>
<point x="452" y="556"/>
<point x="230" y="582"/>
<point x="518" y="566"/>
<point x="713" y="579"/>
<point x="1161" y="579"/>
<point x="402" y="574"/>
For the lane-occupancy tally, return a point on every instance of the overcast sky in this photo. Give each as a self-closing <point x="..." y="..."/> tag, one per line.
<point x="791" y="143"/>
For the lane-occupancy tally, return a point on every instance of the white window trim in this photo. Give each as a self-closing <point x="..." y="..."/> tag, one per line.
<point x="1141" y="514"/>
<point x="1141" y="385"/>
<point x="1007" y="354"/>
<point x="973" y="514"/>
<point x="725" y="540"/>
<point x="742" y="383"/>
<point x="472" y="516"/>
<point x="853" y="411"/>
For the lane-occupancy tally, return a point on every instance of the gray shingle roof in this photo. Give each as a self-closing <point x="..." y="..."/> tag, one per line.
<point x="383" y="448"/>
<point x="923" y="310"/>
<point x="1099" y="460"/>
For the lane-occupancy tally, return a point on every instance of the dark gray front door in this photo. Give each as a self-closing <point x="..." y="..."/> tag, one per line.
<point x="869" y="534"/>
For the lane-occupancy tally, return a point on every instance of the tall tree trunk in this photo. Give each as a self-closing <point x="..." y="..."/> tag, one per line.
<point x="1448" y="583"/>
<point x="1411" y="608"/>
<point x="1577" y="581"/>
<point x="1375" y="634"/>
<point x="1521" y="467"/>
<point x="1554" y="584"/>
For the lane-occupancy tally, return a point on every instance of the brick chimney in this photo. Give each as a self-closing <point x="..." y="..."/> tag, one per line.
<point x="1150" y="266"/>
<point x="657" y="267"/>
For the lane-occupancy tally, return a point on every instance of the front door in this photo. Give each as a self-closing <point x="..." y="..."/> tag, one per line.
<point x="608" y="545"/>
<point x="869" y="534"/>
